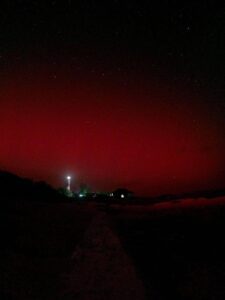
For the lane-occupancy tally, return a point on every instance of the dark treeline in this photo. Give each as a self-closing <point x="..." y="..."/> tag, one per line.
<point x="15" y="188"/>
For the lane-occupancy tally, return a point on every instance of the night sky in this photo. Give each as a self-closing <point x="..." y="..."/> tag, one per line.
<point x="116" y="93"/>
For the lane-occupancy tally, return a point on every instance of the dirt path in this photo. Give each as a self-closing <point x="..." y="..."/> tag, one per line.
<point x="101" y="269"/>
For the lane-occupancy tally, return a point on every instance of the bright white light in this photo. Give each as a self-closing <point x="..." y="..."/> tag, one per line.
<point x="122" y="196"/>
<point x="111" y="194"/>
<point x="81" y="195"/>
<point x="68" y="182"/>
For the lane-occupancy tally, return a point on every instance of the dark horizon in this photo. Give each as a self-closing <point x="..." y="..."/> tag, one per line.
<point x="12" y="184"/>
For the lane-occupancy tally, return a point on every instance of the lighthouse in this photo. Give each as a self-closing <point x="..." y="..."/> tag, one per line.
<point x="68" y="182"/>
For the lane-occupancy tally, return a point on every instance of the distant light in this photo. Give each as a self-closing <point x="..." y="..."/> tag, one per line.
<point x="81" y="195"/>
<point x="122" y="196"/>
<point x="111" y="194"/>
<point x="68" y="182"/>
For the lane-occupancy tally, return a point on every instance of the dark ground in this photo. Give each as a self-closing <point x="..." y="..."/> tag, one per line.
<point x="177" y="253"/>
<point x="180" y="253"/>
<point x="37" y="241"/>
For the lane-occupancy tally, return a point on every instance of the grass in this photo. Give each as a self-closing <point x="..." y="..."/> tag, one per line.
<point x="179" y="254"/>
<point x="38" y="240"/>
<point x="177" y="248"/>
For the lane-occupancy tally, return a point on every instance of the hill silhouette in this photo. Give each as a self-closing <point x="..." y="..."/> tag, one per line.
<point x="15" y="188"/>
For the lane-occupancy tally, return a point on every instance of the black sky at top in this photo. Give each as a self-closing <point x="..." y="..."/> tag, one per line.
<point x="183" y="40"/>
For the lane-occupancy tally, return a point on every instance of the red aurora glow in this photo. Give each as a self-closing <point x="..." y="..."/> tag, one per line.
<point x="149" y="138"/>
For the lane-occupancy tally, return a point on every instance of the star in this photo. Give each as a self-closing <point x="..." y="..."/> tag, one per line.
<point x="188" y="28"/>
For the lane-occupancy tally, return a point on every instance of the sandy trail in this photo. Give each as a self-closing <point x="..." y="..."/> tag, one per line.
<point x="100" y="267"/>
